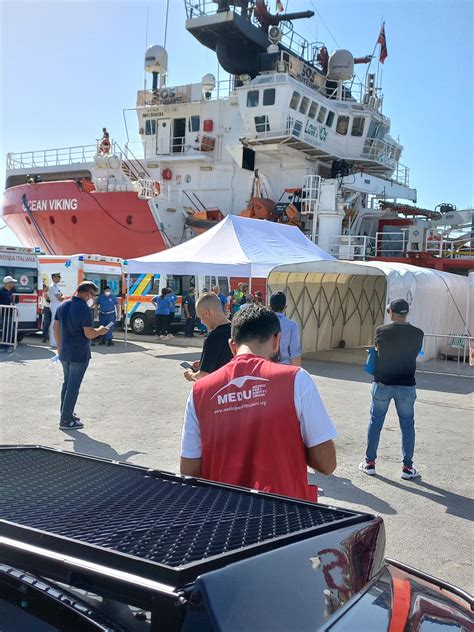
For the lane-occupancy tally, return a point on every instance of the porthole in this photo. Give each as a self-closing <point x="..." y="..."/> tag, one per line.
<point x="52" y="220"/>
<point x="28" y="220"/>
<point x="129" y="220"/>
<point x="74" y="219"/>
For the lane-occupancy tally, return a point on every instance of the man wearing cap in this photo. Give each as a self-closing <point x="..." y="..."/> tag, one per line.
<point x="398" y="345"/>
<point x="290" y="345"/>
<point x="55" y="300"/>
<point x="73" y="330"/>
<point x="6" y="327"/>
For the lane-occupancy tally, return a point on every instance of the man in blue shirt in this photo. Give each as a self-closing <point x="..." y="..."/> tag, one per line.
<point x="162" y="314"/>
<point x="290" y="345"/>
<point x="107" y="305"/>
<point x="220" y="296"/>
<point x="73" y="330"/>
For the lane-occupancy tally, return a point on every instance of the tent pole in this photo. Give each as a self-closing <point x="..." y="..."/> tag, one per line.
<point x="126" y="311"/>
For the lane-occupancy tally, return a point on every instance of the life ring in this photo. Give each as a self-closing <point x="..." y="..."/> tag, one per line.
<point x="156" y="188"/>
<point x="167" y="174"/>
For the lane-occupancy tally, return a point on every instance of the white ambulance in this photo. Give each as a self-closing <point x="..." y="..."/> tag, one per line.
<point x="103" y="271"/>
<point x="22" y="265"/>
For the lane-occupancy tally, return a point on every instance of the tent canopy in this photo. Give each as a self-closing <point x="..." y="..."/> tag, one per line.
<point x="236" y="246"/>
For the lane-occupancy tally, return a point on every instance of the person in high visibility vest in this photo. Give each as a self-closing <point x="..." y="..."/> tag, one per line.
<point x="257" y="423"/>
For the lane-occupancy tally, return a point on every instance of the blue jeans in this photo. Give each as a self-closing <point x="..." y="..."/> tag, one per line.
<point x="73" y="374"/>
<point x="404" y="398"/>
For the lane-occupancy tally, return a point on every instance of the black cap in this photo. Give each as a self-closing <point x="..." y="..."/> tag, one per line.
<point x="399" y="306"/>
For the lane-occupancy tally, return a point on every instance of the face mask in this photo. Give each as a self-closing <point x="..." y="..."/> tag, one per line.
<point x="107" y="293"/>
<point x="90" y="302"/>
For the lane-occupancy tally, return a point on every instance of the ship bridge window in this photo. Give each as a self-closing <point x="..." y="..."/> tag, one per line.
<point x="194" y="123"/>
<point x="358" y="123"/>
<point x="304" y="105"/>
<point x="322" y="114"/>
<point x="342" y="125"/>
<point x="262" y="124"/>
<point x="150" y="127"/>
<point x="330" y="118"/>
<point x="297" y="127"/>
<point x="252" y="98"/>
<point x="295" y="99"/>
<point x="269" y="96"/>
<point x="313" y="110"/>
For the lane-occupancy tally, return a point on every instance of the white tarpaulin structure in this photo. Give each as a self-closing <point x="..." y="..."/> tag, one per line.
<point x="335" y="301"/>
<point x="236" y="246"/>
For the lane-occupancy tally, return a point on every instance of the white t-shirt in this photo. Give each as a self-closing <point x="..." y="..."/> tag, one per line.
<point x="315" y="423"/>
<point x="54" y="293"/>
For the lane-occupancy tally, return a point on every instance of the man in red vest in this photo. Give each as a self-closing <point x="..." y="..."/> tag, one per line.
<point x="256" y="423"/>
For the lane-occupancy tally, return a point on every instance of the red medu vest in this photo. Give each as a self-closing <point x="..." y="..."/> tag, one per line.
<point x="250" y="432"/>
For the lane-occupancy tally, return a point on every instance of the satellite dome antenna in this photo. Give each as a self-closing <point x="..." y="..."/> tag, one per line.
<point x="156" y="62"/>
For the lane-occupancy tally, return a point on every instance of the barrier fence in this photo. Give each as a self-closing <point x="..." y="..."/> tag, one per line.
<point x="447" y="354"/>
<point x="8" y="327"/>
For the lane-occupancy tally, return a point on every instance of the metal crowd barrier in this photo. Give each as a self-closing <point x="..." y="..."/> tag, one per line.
<point x="8" y="327"/>
<point x="450" y="354"/>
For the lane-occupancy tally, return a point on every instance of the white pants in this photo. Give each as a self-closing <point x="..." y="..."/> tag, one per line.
<point x="52" y="339"/>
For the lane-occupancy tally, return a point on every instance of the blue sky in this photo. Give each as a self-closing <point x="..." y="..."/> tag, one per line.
<point x="69" y="68"/>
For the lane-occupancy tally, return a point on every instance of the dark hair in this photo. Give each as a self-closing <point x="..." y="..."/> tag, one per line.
<point x="254" y="322"/>
<point x="164" y="291"/>
<point x="107" y="287"/>
<point x="278" y="301"/>
<point x="87" y="286"/>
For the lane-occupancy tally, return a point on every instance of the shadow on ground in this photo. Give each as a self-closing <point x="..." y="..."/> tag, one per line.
<point x="340" y="488"/>
<point x="82" y="443"/>
<point x="456" y="505"/>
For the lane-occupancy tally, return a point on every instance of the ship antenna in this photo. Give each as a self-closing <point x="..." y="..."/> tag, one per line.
<point x="166" y="22"/>
<point x="146" y="45"/>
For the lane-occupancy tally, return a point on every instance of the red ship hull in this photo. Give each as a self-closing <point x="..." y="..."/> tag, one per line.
<point x="62" y="219"/>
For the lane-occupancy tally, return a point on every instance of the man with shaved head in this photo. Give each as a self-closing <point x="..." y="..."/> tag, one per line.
<point x="216" y="351"/>
<point x="257" y="423"/>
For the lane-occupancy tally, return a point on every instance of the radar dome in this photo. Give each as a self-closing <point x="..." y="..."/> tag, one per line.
<point x="156" y="59"/>
<point x="341" y="65"/>
<point x="208" y="82"/>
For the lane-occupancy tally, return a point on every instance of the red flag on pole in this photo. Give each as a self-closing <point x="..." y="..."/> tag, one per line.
<point x="279" y="6"/>
<point x="383" y="44"/>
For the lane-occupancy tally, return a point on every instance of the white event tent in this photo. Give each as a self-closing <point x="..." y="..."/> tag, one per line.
<point x="236" y="246"/>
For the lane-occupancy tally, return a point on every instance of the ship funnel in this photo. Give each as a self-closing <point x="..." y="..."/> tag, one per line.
<point x="156" y="62"/>
<point x="208" y="83"/>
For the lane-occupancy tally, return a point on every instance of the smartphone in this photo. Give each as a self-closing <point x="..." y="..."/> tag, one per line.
<point x="186" y="365"/>
<point x="109" y="325"/>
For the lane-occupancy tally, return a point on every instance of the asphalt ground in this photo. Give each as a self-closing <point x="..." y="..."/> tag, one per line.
<point x="132" y="402"/>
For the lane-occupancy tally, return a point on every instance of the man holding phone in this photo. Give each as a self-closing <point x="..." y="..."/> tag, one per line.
<point x="216" y="351"/>
<point x="73" y="331"/>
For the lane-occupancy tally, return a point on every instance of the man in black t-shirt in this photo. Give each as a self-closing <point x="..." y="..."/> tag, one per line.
<point x="216" y="350"/>
<point x="398" y="345"/>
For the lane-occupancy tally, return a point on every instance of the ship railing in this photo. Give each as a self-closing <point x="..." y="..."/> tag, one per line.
<point x="351" y="247"/>
<point x="53" y="157"/>
<point x="150" y="97"/>
<point x="439" y="245"/>
<point x="391" y="244"/>
<point x="203" y="142"/>
<point x="386" y="154"/>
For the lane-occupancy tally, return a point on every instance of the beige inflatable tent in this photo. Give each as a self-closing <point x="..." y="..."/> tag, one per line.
<point x="340" y="304"/>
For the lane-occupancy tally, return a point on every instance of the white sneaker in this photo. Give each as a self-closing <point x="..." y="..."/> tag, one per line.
<point x="368" y="468"/>
<point x="170" y="336"/>
<point x="409" y="472"/>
